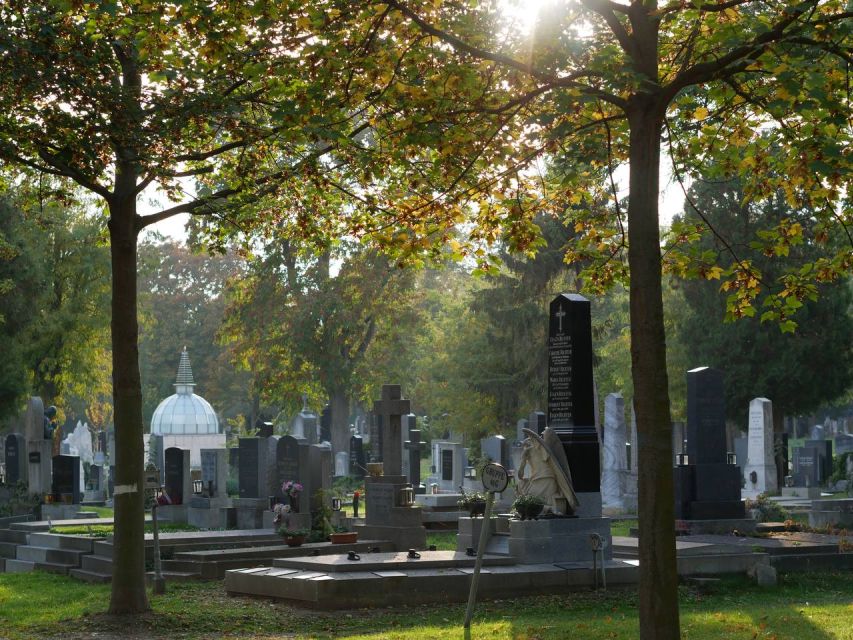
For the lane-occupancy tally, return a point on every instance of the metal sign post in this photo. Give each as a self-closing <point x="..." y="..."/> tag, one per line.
<point x="152" y="482"/>
<point x="495" y="480"/>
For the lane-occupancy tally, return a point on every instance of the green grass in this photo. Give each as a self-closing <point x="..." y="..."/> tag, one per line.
<point x="812" y="606"/>
<point x="104" y="530"/>
<point x="103" y="512"/>
<point x="443" y="540"/>
<point x="622" y="527"/>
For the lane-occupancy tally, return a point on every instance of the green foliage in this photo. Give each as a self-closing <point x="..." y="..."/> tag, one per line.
<point x="839" y="468"/>
<point x="182" y="304"/>
<point x="767" y="510"/>
<point x="758" y="359"/>
<point x="18" y="500"/>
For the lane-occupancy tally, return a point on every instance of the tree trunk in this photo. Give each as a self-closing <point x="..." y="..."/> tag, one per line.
<point x="658" y="576"/>
<point x="340" y="420"/>
<point x="128" y="584"/>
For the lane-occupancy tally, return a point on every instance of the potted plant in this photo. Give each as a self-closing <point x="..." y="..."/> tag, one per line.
<point x="342" y="536"/>
<point x="474" y="503"/>
<point x="293" y="537"/>
<point x="292" y="489"/>
<point x="528" y="507"/>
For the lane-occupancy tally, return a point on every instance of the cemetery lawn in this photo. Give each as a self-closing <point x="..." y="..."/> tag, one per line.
<point x="813" y="606"/>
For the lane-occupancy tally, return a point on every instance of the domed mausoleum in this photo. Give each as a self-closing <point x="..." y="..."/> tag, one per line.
<point x="186" y="420"/>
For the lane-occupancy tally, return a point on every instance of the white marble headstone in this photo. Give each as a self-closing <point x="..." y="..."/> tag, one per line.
<point x="615" y="458"/>
<point x="760" y="471"/>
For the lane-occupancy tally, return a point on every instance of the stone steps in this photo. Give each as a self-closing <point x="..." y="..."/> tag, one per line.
<point x="27" y="566"/>
<point x="14" y="536"/>
<point x="49" y="555"/>
<point x="90" y="576"/>
<point x="7" y="549"/>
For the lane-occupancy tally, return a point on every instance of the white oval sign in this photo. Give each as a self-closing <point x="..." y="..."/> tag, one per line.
<point x="495" y="478"/>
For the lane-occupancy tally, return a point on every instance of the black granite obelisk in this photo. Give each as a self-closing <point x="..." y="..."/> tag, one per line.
<point x="571" y="409"/>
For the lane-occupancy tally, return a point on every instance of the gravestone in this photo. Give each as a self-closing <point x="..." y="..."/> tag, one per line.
<point x="741" y="447"/>
<point x="212" y="508"/>
<point x="843" y="443"/>
<point x="496" y="449"/>
<point x="319" y="478"/>
<point x="291" y="465"/>
<point x="408" y="422"/>
<point x="449" y="461"/>
<point x="630" y="499"/>
<point x="760" y="468"/>
<point x="817" y="432"/>
<point x="15" y="450"/>
<point x="305" y="424"/>
<point x="39" y="449"/>
<point x="807" y="467"/>
<point x="157" y="453"/>
<point x="571" y="411"/>
<point x="357" y="461"/>
<point x="326" y="424"/>
<point x="214" y="472"/>
<point x="520" y="426"/>
<point x="679" y="437"/>
<point x="392" y="407"/>
<point x="707" y="487"/>
<point x="536" y="421"/>
<point x="389" y="515"/>
<point x="414" y="446"/>
<point x="613" y="473"/>
<point x="66" y="478"/>
<point x="824" y="450"/>
<point x="341" y="464"/>
<point x="178" y="482"/>
<point x="252" y="472"/>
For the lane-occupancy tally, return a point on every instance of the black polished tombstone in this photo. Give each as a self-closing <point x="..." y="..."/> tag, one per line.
<point x="824" y="452"/>
<point x="707" y="487"/>
<point x="571" y="411"/>
<point x="807" y="467"/>
<point x="15" y="448"/>
<point x="291" y="461"/>
<point x="174" y="475"/>
<point x="357" y="462"/>
<point x="66" y="477"/>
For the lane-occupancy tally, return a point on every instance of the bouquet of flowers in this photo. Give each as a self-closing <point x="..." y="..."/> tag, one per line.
<point x="291" y="488"/>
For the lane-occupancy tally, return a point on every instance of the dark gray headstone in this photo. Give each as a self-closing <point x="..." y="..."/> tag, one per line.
<point x="357" y="461"/>
<point x="522" y="424"/>
<point x="253" y="467"/>
<point x="174" y="474"/>
<point x="96" y="478"/>
<point x="707" y="487"/>
<point x="741" y="453"/>
<point x="157" y="454"/>
<point x="807" y="467"/>
<point x="571" y="397"/>
<point x="414" y="446"/>
<point x="211" y="473"/>
<point x="287" y="461"/>
<point x="392" y="407"/>
<point x="496" y="449"/>
<point x="447" y="464"/>
<point x="824" y="452"/>
<point x="706" y="417"/>
<point x="15" y="448"/>
<point x="536" y="421"/>
<point x="843" y="443"/>
<point x="66" y="476"/>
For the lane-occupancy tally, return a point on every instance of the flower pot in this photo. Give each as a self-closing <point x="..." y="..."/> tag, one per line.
<point x="477" y="508"/>
<point x="294" y="503"/>
<point x="294" y="541"/>
<point x="346" y="537"/>
<point x="529" y="511"/>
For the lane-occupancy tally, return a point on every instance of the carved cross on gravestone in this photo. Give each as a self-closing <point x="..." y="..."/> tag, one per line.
<point x="392" y="407"/>
<point x="414" y="447"/>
